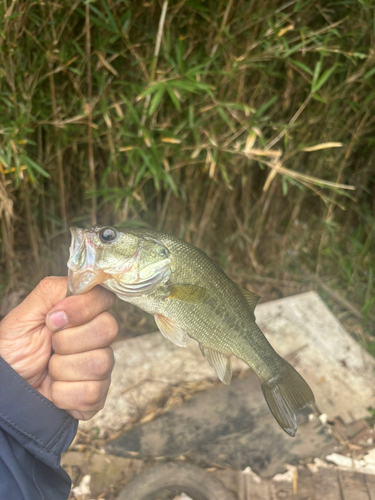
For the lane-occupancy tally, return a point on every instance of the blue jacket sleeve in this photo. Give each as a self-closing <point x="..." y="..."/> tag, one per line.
<point x="33" y="434"/>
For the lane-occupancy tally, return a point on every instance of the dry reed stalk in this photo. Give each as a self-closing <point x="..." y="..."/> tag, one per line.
<point x="265" y="202"/>
<point x="206" y="215"/>
<point x="32" y="228"/>
<point x="90" y="145"/>
<point x="125" y="209"/>
<point x="55" y="112"/>
<point x="308" y="179"/>
<point x="223" y="25"/>
<point x="154" y="64"/>
<point x="42" y="197"/>
<point x="6" y="217"/>
<point x="331" y="205"/>
<point x="60" y="170"/>
<point x="294" y="118"/>
<point x="164" y="209"/>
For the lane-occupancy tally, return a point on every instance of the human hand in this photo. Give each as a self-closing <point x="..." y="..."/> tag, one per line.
<point x="60" y="345"/>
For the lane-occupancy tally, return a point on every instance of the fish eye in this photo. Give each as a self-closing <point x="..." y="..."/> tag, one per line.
<point x="163" y="252"/>
<point x="107" y="234"/>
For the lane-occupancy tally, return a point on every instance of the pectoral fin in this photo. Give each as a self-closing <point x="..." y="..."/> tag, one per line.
<point x="192" y="294"/>
<point x="171" y="330"/>
<point x="220" y="363"/>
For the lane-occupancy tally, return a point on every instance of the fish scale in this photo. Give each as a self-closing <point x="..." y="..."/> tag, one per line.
<point x="189" y="295"/>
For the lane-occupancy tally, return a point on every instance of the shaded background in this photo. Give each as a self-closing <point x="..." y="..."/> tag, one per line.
<point x="244" y="127"/>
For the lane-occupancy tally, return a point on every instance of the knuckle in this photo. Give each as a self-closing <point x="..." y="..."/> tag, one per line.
<point x="109" y="325"/>
<point x="47" y="285"/>
<point x="56" y="398"/>
<point x="92" y="393"/>
<point x="102" y="362"/>
<point x="79" y="307"/>
<point x="100" y="405"/>
<point x="108" y="361"/>
<point x="80" y="302"/>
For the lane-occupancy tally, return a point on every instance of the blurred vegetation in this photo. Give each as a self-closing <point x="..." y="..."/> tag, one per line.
<point x="244" y="127"/>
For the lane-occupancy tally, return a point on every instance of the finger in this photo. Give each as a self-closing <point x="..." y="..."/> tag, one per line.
<point x="91" y="366"/>
<point x="97" y="333"/>
<point x="80" y="399"/>
<point x="32" y="311"/>
<point x="49" y="292"/>
<point x="79" y="309"/>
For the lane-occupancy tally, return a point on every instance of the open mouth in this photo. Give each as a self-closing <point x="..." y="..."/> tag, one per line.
<point x="82" y="275"/>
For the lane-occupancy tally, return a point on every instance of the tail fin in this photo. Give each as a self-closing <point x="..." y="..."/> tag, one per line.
<point x="285" y="395"/>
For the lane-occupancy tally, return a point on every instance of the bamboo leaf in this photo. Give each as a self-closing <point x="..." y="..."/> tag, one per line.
<point x="323" y="79"/>
<point x="225" y="117"/>
<point x="301" y="66"/>
<point x="34" y="166"/>
<point x="267" y="105"/>
<point x="174" y="99"/>
<point x="155" y="101"/>
<point x="318" y="97"/>
<point x="317" y="70"/>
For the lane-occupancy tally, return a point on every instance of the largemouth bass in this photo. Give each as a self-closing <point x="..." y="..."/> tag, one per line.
<point x="189" y="295"/>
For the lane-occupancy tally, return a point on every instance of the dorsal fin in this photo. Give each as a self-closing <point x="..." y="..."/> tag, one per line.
<point x="251" y="298"/>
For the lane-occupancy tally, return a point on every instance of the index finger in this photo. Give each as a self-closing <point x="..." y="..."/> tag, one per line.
<point x="78" y="310"/>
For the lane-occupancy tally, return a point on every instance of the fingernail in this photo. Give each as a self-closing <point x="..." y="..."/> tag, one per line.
<point x="57" y="320"/>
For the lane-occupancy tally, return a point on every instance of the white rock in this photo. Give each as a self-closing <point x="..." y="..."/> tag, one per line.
<point x="254" y="477"/>
<point x="82" y="491"/>
<point x="339" y="372"/>
<point x="288" y="476"/>
<point x="323" y="417"/>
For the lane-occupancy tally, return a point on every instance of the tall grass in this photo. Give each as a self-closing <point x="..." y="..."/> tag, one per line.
<point x="242" y="126"/>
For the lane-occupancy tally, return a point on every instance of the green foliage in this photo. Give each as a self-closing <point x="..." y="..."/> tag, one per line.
<point x="249" y="123"/>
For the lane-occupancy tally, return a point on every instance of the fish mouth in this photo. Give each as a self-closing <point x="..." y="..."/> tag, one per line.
<point x="84" y="281"/>
<point x="83" y="255"/>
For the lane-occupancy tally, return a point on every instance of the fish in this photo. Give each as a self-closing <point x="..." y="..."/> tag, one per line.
<point x="189" y="295"/>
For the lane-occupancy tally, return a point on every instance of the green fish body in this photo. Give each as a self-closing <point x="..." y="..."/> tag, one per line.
<point x="189" y="295"/>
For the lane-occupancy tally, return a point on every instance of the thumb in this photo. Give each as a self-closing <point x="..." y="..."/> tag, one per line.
<point x="33" y="310"/>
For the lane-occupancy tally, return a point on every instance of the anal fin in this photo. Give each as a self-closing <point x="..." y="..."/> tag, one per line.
<point x="220" y="363"/>
<point x="171" y="330"/>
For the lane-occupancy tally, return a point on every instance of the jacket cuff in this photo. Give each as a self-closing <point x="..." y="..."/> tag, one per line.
<point x="32" y="420"/>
